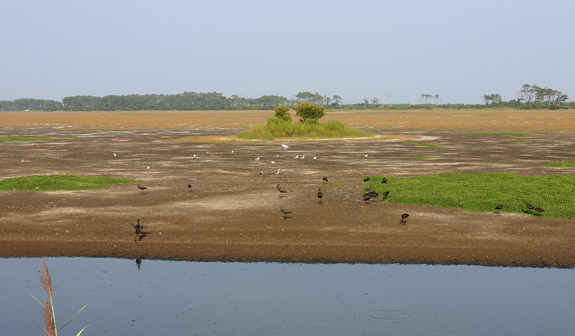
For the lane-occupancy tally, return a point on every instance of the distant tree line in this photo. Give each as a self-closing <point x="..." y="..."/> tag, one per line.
<point x="24" y="104"/>
<point x="529" y="97"/>
<point x="180" y="101"/>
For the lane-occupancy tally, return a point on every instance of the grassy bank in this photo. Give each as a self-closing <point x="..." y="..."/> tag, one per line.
<point x="25" y="138"/>
<point x="277" y="128"/>
<point x="60" y="182"/>
<point x="481" y="192"/>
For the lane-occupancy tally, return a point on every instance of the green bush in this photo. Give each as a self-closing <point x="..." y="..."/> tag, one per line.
<point x="282" y="112"/>
<point x="309" y="113"/>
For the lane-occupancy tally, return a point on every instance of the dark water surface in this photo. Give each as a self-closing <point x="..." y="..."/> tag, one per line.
<point x="190" y="298"/>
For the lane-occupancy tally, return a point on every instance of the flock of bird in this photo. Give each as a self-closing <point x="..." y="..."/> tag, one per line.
<point x="529" y="207"/>
<point x="369" y="196"/>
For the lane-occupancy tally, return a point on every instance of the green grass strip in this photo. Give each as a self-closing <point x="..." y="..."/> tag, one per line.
<point x="498" y="133"/>
<point x="481" y="192"/>
<point x="60" y="182"/>
<point x="423" y="144"/>
<point x="559" y="165"/>
<point x="23" y="138"/>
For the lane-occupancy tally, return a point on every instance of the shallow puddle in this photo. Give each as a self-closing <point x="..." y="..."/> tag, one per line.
<point x="191" y="298"/>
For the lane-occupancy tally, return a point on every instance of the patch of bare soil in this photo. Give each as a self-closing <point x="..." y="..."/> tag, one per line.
<point x="231" y="213"/>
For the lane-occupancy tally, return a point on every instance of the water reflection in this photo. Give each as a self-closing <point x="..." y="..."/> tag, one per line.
<point x="189" y="298"/>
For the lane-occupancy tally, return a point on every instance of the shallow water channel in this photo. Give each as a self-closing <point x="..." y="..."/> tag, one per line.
<point x="191" y="298"/>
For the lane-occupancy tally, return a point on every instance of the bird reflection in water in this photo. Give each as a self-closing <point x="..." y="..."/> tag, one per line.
<point x="139" y="263"/>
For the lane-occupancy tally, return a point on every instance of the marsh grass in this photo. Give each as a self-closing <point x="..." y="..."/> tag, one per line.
<point x="568" y="164"/>
<point x="60" y="182"/>
<point x="25" y="138"/>
<point x="278" y="128"/>
<point x="425" y="157"/>
<point x="423" y="144"/>
<point x="49" y="313"/>
<point x="481" y="192"/>
<point x="498" y="133"/>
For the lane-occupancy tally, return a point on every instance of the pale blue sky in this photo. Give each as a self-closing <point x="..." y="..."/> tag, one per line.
<point x="459" y="49"/>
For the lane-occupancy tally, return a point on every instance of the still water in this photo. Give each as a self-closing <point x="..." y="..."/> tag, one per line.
<point x="191" y="298"/>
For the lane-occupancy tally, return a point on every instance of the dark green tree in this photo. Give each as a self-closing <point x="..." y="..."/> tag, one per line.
<point x="309" y="113"/>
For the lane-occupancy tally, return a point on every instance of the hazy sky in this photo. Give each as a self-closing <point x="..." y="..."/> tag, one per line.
<point x="459" y="49"/>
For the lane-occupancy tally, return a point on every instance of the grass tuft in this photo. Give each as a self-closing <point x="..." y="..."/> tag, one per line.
<point x="481" y="192"/>
<point x="278" y="128"/>
<point x="567" y="164"/>
<point x="60" y="182"/>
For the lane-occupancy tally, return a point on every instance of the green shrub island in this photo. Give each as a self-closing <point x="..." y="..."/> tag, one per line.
<point x="308" y="127"/>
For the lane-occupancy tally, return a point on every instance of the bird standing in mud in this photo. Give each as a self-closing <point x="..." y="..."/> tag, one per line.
<point x="142" y="188"/>
<point x="285" y="213"/>
<point x="319" y="197"/>
<point x="281" y="190"/>
<point x="140" y="234"/>
<point x="325" y="179"/>
<point x="404" y="218"/>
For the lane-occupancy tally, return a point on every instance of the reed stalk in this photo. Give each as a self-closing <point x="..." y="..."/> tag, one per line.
<point x="48" y="305"/>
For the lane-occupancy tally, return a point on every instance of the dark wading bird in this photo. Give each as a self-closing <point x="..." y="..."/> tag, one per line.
<point x="325" y="179"/>
<point x="189" y="187"/>
<point x="404" y="218"/>
<point x="319" y="196"/>
<point x="384" y="195"/>
<point x="384" y="180"/>
<point x="285" y="213"/>
<point x="366" y="179"/>
<point x="139" y="227"/>
<point x="140" y="234"/>
<point x="139" y="263"/>
<point x="142" y="188"/>
<point x="498" y="207"/>
<point x="281" y="190"/>
<point x="532" y="207"/>
<point x="369" y="194"/>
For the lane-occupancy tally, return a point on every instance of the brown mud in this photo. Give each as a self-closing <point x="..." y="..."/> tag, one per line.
<point x="230" y="213"/>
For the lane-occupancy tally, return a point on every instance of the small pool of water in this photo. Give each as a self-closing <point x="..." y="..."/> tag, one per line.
<point x="191" y="298"/>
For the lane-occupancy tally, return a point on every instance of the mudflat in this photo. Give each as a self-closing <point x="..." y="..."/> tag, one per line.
<point x="231" y="213"/>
